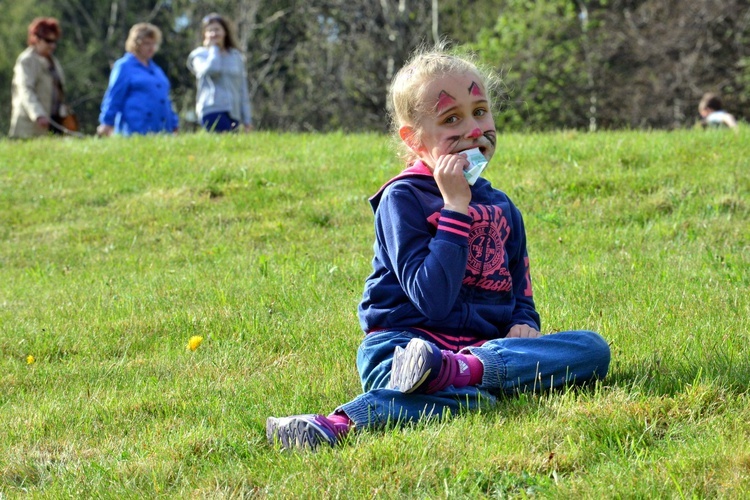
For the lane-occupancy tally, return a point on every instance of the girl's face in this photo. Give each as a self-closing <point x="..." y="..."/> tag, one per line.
<point x="214" y="34"/>
<point x="458" y="118"/>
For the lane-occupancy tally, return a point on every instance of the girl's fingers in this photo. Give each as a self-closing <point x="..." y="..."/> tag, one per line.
<point x="452" y="164"/>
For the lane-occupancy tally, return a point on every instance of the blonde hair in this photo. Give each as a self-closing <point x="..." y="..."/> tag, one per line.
<point x="406" y="100"/>
<point x="140" y="31"/>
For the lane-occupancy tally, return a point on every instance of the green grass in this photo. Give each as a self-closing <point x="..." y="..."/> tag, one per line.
<point x="113" y="253"/>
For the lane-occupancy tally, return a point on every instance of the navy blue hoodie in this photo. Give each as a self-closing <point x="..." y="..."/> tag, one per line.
<point x="462" y="278"/>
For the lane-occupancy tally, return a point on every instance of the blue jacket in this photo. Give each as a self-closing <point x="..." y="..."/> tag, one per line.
<point x="461" y="276"/>
<point x="137" y="99"/>
<point x="222" y="83"/>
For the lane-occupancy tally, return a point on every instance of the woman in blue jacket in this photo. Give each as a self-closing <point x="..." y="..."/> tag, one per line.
<point x="137" y="98"/>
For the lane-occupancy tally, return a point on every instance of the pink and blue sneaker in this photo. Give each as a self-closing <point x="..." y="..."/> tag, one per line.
<point x="415" y="366"/>
<point x="303" y="431"/>
<point x="423" y="368"/>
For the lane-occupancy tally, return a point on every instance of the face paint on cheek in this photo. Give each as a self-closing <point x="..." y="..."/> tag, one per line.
<point x="453" y="141"/>
<point x="491" y="136"/>
<point x="445" y="100"/>
<point x="475" y="90"/>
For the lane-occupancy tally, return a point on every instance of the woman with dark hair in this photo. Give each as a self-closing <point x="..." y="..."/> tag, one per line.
<point x="38" y="82"/>
<point x="137" y="98"/>
<point x="222" y="100"/>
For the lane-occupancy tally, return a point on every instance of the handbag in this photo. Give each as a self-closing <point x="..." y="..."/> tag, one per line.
<point x="68" y="118"/>
<point x="70" y="122"/>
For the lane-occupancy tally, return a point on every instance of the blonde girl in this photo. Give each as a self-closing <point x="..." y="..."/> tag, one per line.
<point x="448" y="310"/>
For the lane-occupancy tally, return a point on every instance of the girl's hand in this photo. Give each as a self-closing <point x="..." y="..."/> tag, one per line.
<point x="104" y="130"/>
<point x="449" y="175"/>
<point x="523" y="332"/>
<point x="42" y="122"/>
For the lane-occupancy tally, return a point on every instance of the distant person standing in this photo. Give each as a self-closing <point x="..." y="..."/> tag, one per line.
<point x="713" y="114"/>
<point x="222" y="99"/>
<point x="137" y="98"/>
<point x="38" y="82"/>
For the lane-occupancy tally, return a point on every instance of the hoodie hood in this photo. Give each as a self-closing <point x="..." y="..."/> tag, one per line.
<point x="481" y="191"/>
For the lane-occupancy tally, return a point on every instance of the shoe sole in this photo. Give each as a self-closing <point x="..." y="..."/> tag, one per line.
<point x="295" y="433"/>
<point x="410" y="367"/>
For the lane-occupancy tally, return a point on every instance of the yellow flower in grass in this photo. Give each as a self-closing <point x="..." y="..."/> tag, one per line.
<point x="30" y="359"/>
<point x="194" y="342"/>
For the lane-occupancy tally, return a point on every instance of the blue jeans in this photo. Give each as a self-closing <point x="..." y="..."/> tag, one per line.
<point x="511" y="365"/>
<point x="219" y="122"/>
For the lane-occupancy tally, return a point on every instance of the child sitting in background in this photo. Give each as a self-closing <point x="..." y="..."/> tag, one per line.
<point x="713" y="114"/>
<point x="448" y="311"/>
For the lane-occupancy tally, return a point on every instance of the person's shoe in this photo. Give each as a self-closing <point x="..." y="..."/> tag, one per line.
<point x="416" y="366"/>
<point x="301" y="431"/>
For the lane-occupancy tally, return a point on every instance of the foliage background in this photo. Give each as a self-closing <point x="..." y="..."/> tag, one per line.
<point x="325" y="64"/>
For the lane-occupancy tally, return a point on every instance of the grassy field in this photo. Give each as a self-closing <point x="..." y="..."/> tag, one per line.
<point x="114" y="253"/>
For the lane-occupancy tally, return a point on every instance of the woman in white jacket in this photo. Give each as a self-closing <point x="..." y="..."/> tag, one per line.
<point x="38" y="81"/>
<point x="222" y="100"/>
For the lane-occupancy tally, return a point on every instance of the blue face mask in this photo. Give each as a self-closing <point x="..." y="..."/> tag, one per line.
<point x="477" y="164"/>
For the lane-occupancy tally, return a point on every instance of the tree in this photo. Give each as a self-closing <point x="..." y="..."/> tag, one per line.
<point x="538" y="49"/>
<point x="661" y="56"/>
<point x="326" y="64"/>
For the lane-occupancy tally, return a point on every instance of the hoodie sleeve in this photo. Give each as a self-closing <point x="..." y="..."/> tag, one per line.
<point x="524" y="311"/>
<point x="204" y="61"/>
<point x="247" y="112"/>
<point x="429" y="265"/>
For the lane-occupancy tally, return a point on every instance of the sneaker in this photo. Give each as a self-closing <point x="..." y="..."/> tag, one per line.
<point x="416" y="366"/>
<point x="300" y="431"/>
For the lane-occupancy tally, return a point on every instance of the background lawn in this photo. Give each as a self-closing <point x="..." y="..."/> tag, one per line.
<point x="113" y="253"/>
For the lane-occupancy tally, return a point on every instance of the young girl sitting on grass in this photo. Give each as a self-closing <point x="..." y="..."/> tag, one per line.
<point x="448" y="311"/>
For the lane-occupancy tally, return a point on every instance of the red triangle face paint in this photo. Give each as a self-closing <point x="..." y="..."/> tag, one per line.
<point x="445" y="101"/>
<point x="475" y="90"/>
